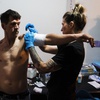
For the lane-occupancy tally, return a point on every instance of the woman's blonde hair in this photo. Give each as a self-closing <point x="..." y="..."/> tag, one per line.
<point x="77" y="16"/>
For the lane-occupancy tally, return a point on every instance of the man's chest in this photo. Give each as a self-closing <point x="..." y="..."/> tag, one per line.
<point x="14" y="54"/>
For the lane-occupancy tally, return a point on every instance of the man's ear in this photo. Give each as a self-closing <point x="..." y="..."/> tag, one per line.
<point x="71" y="24"/>
<point x="3" y="25"/>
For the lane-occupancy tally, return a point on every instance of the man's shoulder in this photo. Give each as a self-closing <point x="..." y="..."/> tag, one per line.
<point x="21" y="37"/>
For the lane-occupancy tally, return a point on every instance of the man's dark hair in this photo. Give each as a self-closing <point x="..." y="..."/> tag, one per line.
<point x="7" y="14"/>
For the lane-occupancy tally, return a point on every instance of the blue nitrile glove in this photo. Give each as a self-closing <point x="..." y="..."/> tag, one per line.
<point x="31" y="28"/>
<point x="29" y="40"/>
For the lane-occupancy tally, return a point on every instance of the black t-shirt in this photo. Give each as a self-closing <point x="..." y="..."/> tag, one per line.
<point x="70" y="57"/>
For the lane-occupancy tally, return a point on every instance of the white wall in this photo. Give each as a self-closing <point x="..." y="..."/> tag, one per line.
<point x="92" y="27"/>
<point x="46" y="15"/>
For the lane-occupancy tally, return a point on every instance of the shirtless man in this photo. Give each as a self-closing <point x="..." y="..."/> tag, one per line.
<point x="14" y="57"/>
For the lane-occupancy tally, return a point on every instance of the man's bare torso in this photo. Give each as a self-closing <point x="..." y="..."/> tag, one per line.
<point x="13" y="67"/>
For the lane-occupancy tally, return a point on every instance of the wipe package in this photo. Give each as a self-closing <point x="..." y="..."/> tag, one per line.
<point x="97" y="43"/>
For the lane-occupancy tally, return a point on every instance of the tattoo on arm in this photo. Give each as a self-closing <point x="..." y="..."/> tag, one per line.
<point x="52" y="66"/>
<point x="42" y="67"/>
<point x="34" y="56"/>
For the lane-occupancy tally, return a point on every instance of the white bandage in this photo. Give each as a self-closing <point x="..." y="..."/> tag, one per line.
<point x="38" y="90"/>
<point x="39" y="39"/>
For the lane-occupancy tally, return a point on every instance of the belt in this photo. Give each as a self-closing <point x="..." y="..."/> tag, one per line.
<point x="14" y="96"/>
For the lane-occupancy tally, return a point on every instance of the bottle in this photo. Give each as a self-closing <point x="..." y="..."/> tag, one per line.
<point x="79" y="78"/>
